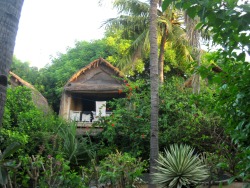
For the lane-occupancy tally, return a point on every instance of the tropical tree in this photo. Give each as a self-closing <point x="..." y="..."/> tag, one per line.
<point x="10" y="12"/>
<point x="228" y="22"/>
<point x="134" y="24"/>
<point x="154" y="146"/>
<point x="194" y="36"/>
<point x="25" y="71"/>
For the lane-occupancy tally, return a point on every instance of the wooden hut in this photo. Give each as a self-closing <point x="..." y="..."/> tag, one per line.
<point x="85" y="95"/>
<point x="39" y="100"/>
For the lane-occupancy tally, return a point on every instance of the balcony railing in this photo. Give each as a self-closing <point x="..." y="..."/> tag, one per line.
<point x="87" y="116"/>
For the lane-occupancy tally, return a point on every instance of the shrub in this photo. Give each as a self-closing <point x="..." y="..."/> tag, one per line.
<point x="180" y="167"/>
<point x="183" y="118"/>
<point x="38" y="171"/>
<point x="120" y="170"/>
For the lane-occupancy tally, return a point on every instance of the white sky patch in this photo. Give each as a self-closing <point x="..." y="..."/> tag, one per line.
<point x="48" y="27"/>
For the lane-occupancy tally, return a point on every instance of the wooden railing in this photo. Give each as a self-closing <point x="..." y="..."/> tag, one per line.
<point x="86" y="116"/>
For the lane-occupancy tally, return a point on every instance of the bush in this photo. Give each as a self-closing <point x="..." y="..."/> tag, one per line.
<point x="120" y="170"/>
<point x="183" y="118"/>
<point x="38" y="171"/>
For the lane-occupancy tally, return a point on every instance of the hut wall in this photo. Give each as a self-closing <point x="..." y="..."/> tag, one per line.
<point x="76" y="104"/>
<point x="65" y="104"/>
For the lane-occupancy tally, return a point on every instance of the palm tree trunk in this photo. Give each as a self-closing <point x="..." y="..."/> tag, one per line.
<point x="10" y="11"/>
<point x="194" y="41"/>
<point x="154" y="80"/>
<point x="161" y="56"/>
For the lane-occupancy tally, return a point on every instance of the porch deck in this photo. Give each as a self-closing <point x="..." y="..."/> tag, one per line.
<point x="86" y="128"/>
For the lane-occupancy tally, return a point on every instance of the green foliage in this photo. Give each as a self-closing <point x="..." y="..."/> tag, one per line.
<point x="47" y="172"/>
<point x="74" y="148"/>
<point x="20" y="117"/>
<point x="42" y="136"/>
<point x="19" y="100"/>
<point x="183" y="118"/>
<point x="118" y="48"/>
<point x="55" y="75"/>
<point x="26" y="124"/>
<point x="127" y="129"/>
<point x="133" y="24"/>
<point x="121" y="170"/>
<point x="23" y="70"/>
<point x="180" y="167"/>
<point x="5" y="163"/>
<point x="234" y="100"/>
<point x="228" y="22"/>
<point x="57" y="173"/>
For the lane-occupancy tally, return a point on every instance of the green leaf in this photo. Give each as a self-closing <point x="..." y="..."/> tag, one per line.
<point x="192" y="11"/>
<point x="3" y="176"/>
<point x="199" y="25"/>
<point x="165" y="4"/>
<point x="231" y="180"/>
<point x="10" y="150"/>
<point x="245" y="7"/>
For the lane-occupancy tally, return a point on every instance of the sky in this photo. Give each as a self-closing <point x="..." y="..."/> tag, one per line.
<point x="49" y="27"/>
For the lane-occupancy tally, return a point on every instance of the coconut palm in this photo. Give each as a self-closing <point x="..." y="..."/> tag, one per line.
<point x="134" y="23"/>
<point x="154" y="146"/>
<point x="9" y="18"/>
<point x="194" y="41"/>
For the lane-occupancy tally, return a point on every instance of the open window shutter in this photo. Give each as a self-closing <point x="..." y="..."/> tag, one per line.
<point x="100" y="108"/>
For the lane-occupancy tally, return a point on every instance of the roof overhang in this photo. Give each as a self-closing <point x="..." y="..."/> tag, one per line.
<point x="93" y="88"/>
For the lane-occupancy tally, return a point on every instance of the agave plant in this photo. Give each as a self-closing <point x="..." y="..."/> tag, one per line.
<point x="179" y="167"/>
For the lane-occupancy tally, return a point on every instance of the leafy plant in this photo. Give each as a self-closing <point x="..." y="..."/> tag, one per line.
<point x="57" y="173"/>
<point x="228" y="22"/>
<point x="183" y="118"/>
<point x="120" y="170"/>
<point x="129" y="123"/>
<point x="48" y="172"/>
<point x="180" y="167"/>
<point x="73" y="148"/>
<point x="5" y="163"/>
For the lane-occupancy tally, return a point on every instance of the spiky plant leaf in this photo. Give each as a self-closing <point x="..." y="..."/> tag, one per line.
<point x="179" y="167"/>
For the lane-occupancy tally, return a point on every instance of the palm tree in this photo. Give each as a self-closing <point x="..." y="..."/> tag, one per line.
<point x="134" y="23"/>
<point x="154" y="146"/>
<point x="10" y="12"/>
<point x="194" y="41"/>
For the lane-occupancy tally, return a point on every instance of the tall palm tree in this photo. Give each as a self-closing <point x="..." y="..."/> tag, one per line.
<point x="154" y="146"/>
<point x="10" y="12"/>
<point x="135" y="25"/>
<point x="194" y="40"/>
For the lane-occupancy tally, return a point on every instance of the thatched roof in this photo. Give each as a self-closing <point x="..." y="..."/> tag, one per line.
<point x="94" y="64"/>
<point x="89" y="88"/>
<point x="98" y="76"/>
<point x="17" y="81"/>
<point x="39" y="100"/>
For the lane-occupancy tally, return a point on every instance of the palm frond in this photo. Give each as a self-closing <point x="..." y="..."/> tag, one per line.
<point x="132" y="7"/>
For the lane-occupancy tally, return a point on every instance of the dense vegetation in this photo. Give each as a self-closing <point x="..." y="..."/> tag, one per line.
<point x="216" y="122"/>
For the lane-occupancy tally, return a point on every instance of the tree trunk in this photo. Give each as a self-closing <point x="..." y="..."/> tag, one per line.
<point x="154" y="80"/>
<point x="194" y="41"/>
<point x="161" y="56"/>
<point x="10" y="11"/>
